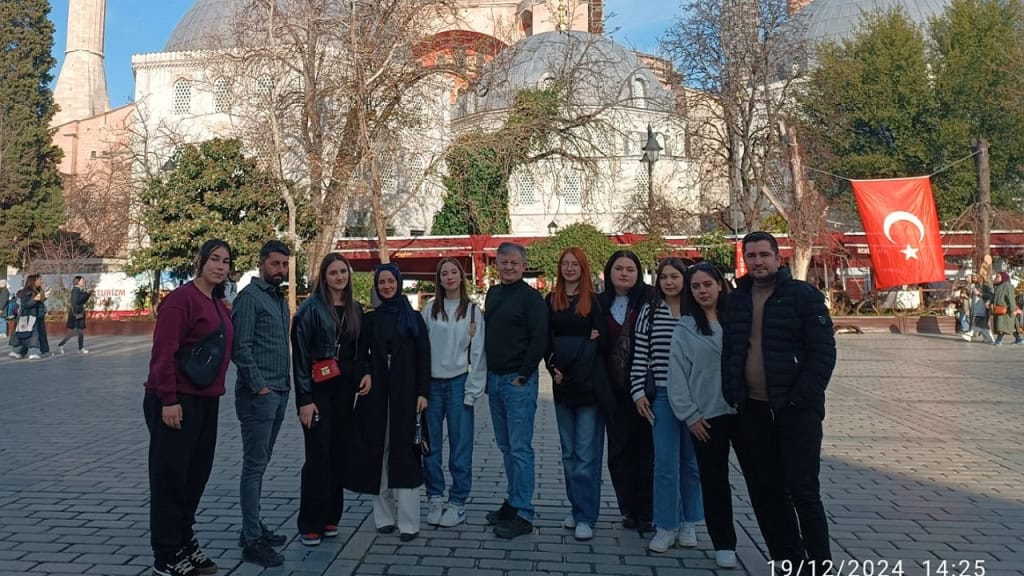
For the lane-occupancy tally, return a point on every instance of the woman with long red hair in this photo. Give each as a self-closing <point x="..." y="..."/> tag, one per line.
<point x="577" y="345"/>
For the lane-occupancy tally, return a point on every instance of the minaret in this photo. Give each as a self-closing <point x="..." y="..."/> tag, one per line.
<point x="81" y="90"/>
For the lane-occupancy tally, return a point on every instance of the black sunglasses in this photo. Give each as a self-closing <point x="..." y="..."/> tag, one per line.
<point x="700" y="266"/>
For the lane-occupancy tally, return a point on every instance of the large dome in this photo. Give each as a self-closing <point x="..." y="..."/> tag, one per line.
<point x="206" y="25"/>
<point x="836" y="20"/>
<point x="601" y="71"/>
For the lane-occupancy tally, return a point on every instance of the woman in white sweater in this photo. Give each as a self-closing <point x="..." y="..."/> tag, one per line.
<point x="695" y="394"/>
<point x="458" y="373"/>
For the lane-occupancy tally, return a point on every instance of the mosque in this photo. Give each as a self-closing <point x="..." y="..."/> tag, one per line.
<point x="520" y="43"/>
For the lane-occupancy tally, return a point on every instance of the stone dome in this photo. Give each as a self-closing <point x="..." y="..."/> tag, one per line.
<point x="602" y="72"/>
<point x="206" y="25"/>
<point x="836" y="20"/>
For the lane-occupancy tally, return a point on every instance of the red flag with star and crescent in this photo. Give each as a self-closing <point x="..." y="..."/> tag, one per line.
<point x="902" y="229"/>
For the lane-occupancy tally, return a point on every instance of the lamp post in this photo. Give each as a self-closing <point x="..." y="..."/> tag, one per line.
<point x="651" y="151"/>
<point x="552" y="228"/>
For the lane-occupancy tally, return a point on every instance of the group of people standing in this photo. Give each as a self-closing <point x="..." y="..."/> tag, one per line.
<point x="28" y="310"/>
<point x="672" y="376"/>
<point x="990" y="310"/>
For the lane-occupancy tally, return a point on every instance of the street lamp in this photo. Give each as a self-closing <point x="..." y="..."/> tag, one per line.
<point x="552" y="228"/>
<point x="651" y="151"/>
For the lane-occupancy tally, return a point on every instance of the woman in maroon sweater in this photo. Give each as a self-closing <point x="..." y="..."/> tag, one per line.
<point x="182" y="417"/>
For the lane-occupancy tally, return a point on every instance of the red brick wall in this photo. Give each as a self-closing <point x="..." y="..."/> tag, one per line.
<point x="597" y="16"/>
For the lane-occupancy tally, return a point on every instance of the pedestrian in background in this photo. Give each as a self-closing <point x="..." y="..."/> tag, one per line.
<point x="389" y="438"/>
<point x="630" y="440"/>
<point x="517" y="327"/>
<point x="5" y="315"/>
<point x="260" y="353"/>
<point x="678" y="506"/>
<point x="980" y="295"/>
<point x="1004" y="308"/>
<point x="458" y="373"/>
<point x="778" y="353"/>
<point x="30" y="331"/>
<point x="695" y="394"/>
<point x="577" y="344"/>
<point x="76" y="315"/>
<point x="191" y="353"/>
<point x="331" y="365"/>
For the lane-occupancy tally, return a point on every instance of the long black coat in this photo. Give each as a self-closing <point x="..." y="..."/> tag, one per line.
<point x="77" y="306"/>
<point x="397" y="388"/>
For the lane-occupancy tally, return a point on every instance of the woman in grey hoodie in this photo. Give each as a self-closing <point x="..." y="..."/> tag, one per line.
<point x="695" y="394"/>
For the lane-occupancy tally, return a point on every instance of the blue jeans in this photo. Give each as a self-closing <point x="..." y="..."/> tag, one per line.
<point x="581" y="432"/>
<point x="512" y="412"/>
<point x="260" y="416"/>
<point x="677" y="496"/>
<point x="446" y="403"/>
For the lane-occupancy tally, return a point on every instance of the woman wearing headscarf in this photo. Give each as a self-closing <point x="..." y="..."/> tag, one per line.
<point x="1003" y="307"/>
<point x="388" y="436"/>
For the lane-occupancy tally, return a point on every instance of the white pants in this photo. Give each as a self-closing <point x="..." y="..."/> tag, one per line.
<point x="406" y="499"/>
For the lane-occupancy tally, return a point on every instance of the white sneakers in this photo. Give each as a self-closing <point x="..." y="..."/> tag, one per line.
<point x="569" y="523"/>
<point x="453" y="516"/>
<point x="443" y="515"/>
<point x="665" y="539"/>
<point x="83" y="351"/>
<point x="662" y="541"/>
<point x="34" y="356"/>
<point x="688" y="535"/>
<point x="60" y="350"/>
<point x="435" y="510"/>
<point x="584" y="531"/>
<point x="725" y="558"/>
<point x="16" y="355"/>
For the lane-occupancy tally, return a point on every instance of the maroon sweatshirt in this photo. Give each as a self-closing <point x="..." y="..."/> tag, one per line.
<point x="185" y="317"/>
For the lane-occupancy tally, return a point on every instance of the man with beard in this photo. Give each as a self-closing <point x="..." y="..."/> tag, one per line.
<point x="261" y="318"/>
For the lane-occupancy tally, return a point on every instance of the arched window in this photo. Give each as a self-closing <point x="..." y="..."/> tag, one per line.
<point x="639" y="92"/>
<point x="572" y="188"/>
<point x="182" y="97"/>
<point x="264" y="87"/>
<point x="525" y="188"/>
<point x="221" y="96"/>
<point x="641" y="184"/>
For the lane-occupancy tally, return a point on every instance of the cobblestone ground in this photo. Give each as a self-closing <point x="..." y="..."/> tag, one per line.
<point x="922" y="461"/>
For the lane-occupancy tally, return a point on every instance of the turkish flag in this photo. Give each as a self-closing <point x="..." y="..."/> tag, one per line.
<point x="902" y="227"/>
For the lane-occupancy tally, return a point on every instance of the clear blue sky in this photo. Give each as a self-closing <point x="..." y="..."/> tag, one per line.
<point x="141" y="26"/>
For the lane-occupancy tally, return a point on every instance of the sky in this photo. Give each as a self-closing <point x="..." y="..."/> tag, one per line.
<point x="142" y="26"/>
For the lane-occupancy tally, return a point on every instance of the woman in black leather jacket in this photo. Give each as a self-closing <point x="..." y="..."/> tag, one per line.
<point x="328" y="325"/>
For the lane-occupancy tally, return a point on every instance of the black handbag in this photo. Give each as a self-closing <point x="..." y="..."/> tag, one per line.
<point x="200" y="362"/>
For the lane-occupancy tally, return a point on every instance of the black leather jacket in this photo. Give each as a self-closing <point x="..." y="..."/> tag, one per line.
<point x="314" y="337"/>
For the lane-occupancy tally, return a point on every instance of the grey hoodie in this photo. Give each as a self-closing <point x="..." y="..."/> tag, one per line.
<point x="695" y="373"/>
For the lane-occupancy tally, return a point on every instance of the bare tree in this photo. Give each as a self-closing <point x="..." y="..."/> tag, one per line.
<point x="328" y="93"/>
<point x="96" y="201"/>
<point x="739" y="59"/>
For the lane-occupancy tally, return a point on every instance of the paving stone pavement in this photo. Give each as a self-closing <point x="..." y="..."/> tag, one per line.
<point x="922" y="460"/>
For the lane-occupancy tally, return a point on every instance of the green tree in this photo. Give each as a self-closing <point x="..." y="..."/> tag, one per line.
<point x="869" y="105"/>
<point x="543" y="254"/>
<point x="31" y="203"/>
<point x="480" y="164"/>
<point x="977" y="59"/>
<point x="214" y="191"/>
<point x="714" y="247"/>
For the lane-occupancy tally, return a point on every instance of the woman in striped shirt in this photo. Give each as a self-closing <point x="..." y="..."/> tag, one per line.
<point x="677" y="497"/>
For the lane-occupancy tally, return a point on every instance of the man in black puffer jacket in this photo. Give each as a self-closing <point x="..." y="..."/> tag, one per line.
<point x="778" y="354"/>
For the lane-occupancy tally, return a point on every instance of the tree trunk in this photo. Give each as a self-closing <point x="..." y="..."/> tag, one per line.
<point x="801" y="262"/>
<point x="983" y="207"/>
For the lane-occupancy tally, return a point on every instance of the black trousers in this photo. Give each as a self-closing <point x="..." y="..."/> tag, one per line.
<point x="713" y="460"/>
<point x="180" y="462"/>
<point x="780" y="454"/>
<point x="322" y="495"/>
<point x="631" y="460"/>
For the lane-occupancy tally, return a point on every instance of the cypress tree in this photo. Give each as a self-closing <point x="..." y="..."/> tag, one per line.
<point x="31" y="199"/>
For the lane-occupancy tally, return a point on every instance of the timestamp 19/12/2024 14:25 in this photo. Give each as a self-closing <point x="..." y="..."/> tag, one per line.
<point x="957" y="567"/>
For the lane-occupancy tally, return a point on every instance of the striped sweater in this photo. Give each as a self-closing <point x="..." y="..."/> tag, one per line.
<point x="653" y="353"/>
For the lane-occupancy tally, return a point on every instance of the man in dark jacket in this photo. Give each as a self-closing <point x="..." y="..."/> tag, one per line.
<point x="777" y="358"/>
